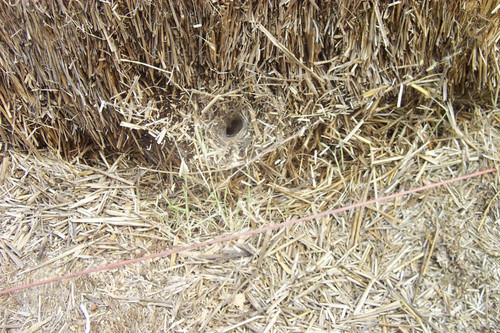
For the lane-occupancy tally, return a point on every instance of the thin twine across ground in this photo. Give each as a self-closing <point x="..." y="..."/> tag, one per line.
<point x="245" y="233"/>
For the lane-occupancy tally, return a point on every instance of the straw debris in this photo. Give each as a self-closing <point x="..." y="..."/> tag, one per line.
<point x="130" y="127"/>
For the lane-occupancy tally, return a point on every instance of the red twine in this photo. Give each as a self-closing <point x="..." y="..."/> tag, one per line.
<point x="244" y="233"/>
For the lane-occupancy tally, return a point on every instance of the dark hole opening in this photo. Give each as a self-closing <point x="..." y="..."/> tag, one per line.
<point x="234" y="126"/>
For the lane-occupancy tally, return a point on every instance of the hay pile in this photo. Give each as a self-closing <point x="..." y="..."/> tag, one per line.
<point x="143" y="75"/>
<point x="134" y="126"/>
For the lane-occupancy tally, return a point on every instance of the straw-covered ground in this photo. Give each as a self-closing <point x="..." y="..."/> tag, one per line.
<point x="132" y="127"/>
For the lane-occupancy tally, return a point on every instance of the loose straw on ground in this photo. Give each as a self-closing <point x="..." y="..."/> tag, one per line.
<point x="247" y="233"/>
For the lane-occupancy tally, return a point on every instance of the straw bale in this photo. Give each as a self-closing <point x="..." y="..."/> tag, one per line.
<point x="148" y="74"/>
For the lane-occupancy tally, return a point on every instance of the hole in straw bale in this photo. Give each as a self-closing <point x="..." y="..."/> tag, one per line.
<point x="234" y="125"/>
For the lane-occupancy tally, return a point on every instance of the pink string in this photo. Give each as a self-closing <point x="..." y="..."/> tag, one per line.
<point x="245" y="233"/>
